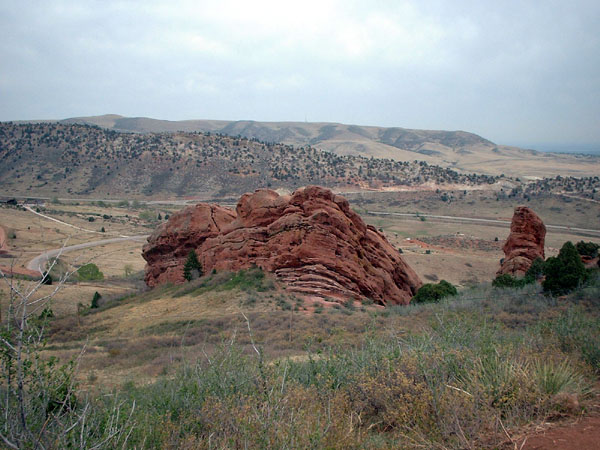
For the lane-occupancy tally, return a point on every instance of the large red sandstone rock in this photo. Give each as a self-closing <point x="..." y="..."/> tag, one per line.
<point x="311" y="240"/>
<point x="525" y="242"/>
<point x="170" y="244"/>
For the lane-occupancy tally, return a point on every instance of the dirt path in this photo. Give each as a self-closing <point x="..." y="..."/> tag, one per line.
<point x="581" y="435"/>
<point x="60" y="221"/>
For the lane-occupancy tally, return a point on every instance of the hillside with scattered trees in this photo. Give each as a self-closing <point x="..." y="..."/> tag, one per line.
<point x="75" y="159"/>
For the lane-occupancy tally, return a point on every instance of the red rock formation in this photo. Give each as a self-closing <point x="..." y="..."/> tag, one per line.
<point x="525" y="242"/>
<point x="170" y="244"/>
<point x="311" y="240"/>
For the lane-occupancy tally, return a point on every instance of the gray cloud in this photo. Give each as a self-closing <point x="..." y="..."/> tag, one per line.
<point x="512" y="71"/>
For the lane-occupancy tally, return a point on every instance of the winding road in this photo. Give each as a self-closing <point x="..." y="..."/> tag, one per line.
<point x="39" y="262"/>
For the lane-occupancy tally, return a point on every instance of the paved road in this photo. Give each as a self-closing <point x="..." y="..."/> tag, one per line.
<point x="573" y="230"/>
<point x="39" y="262"/>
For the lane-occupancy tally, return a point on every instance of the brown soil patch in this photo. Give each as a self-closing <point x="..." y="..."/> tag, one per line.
<point x="583" y="434"/>
<point x="6" y="270"/>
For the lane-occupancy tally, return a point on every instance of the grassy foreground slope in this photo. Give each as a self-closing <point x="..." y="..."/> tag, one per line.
<point x="253" y="367"/>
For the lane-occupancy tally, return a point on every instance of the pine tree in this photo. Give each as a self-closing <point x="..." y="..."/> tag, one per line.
<point x="96" y="300"/>
<point x="191" y="265"/>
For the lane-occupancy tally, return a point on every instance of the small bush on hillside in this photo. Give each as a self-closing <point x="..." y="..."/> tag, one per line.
<point x="564" y="272"/>
<point x="90" y="272"/>
<point x="431" y="293"/>
<point x="587" y="249"/>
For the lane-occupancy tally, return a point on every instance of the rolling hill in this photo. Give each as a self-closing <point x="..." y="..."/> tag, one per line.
<point x="79" y="160"/>
<point x="459" y="150"/>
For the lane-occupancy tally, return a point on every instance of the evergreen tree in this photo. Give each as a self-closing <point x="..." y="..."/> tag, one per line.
<point x="192" y="265"/>
<point x="95" y="300"/>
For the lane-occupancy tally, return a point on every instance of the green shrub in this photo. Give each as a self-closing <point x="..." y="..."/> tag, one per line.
<point x="508" y="281"/>
<point x="89" y="272"/>
<point x="431" y="293"/>
<point x="564" y="272"/>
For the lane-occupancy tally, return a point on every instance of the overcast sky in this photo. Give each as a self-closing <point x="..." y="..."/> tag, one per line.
<point x="515" y="72"/>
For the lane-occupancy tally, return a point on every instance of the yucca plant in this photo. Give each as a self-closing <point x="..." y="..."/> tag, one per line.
<point x="557" y="377"/>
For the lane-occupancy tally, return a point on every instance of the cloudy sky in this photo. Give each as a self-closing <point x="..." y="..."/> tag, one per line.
<point x="516" y="72"/>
